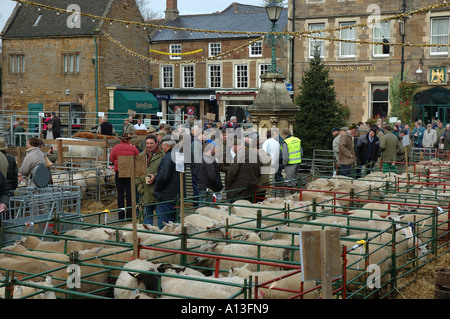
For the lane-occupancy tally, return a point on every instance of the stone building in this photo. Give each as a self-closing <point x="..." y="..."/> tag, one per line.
<point x="362" y="71"/>
<point x="197" y="84"/>
<point x="52" y="58"/>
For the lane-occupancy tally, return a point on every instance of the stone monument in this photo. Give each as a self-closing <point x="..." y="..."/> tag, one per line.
<point x="273" y="107"/>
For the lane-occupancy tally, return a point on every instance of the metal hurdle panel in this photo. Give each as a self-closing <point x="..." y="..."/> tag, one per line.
<point x="33" y="210"/>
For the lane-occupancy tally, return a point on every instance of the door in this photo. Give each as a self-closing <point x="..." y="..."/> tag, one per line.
<point x="444" y="113"/>
<point x="33" y="115"/>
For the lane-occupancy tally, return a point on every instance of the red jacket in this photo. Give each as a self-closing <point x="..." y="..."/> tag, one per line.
<point x="123" y="149"/>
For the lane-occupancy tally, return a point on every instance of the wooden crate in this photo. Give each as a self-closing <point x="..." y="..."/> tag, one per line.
<point x="442" y="283"/>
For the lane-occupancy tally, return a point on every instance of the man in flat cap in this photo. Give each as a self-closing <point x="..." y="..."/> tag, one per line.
<point x="128" y="127"/>
<point x="347" y="156"/>
<point x="167" y="183"/>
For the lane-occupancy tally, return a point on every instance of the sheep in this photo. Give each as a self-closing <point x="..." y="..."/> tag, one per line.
<point x="200" y="220"/>
<point x="249" y="209"/>
<point x="110" y="257"/>
<point x="214" y="213"/>
<point x="22" y="291"/>
<point x="292" y="283"/>
<point x="359" y="221"/>
<point x="287" y="252"/>
<point x="23" y="266"/>
<point x="169" y="242"/>
<point x="133" y="280"/>
<point x="297" y="210"/>
<point x="272" y="254"/>
<point x="284" y="232"/>
<point x="97" y="234"/>
<point x="377" y="255"/>
<point x="53" y="259"/>
<point x="321" y="184"/>
<point x="223" y="218"/>
<point x="61" y="246"/>
<point x="93" y="277"/>
<point x="32" y="265"/>
<point x="130" y="281"/>
<point x="188" y="287"/>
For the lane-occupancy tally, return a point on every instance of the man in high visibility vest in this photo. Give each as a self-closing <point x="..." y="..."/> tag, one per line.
<point x="292" y="157"/>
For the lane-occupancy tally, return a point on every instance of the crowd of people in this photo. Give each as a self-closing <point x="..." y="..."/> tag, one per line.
<point x="244" y="159"/>
<point x="359" y="147"/>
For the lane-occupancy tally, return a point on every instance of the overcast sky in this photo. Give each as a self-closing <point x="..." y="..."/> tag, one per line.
<point x="184" y="6"/>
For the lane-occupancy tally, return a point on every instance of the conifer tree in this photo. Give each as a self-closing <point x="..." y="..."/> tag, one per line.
<point x="319" y="109"/>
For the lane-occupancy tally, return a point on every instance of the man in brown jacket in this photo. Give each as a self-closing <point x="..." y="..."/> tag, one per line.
<point x="243" y="174"/>
<point x="347" y="156"/>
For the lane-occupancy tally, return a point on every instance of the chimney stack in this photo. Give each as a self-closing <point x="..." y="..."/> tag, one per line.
<point x="171" y="9"/>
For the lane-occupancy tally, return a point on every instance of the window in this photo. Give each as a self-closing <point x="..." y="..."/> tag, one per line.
<point x="188" y="76"/>
<point x="241" y="76"/>
<point x="256" y="49"/>
<point x="17" y="63"/>
<point x="379" y="100"/>
<point x="215" y="49"/>
<point x="215" y="76"/>
<point x="263" y="68"/>
<point x="175" y="48"/>
<point x="381" y="33"/>
<point x="71" y="63"/>
<point x="167" y="76"/>
<point x="347" y="49"/>
<point x="37" y="20"/>
<point x="439" y="35"/>
<point x="313" y="43"/>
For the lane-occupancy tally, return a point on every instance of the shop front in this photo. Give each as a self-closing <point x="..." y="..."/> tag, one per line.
<point x="180" y="106"/>
<point x="433" y="102"/>
<point x="139" y="103"/>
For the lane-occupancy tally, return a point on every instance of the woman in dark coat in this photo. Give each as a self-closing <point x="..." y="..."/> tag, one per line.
<point x="368" y="149"/>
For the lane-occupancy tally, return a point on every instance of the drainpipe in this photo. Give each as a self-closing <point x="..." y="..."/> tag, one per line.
<point x="96" y="76"/>
<point x="293" y="45"/>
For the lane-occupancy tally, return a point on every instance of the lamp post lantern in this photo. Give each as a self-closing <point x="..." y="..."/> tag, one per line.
<point x="273" y="13"/>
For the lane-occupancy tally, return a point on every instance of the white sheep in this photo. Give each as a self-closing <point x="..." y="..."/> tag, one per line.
<point x="215" y="288"/>
<point x="98" y="234"/>
<point x="131" y="278"/>
<point x="61" y="246"/>
<point x="169" y="242"/>
<point x="23" y="266"/>
<point x="360" y="221"/>
<point x="271" y="254"/>
<point x="292" y="282"/>
<point x="129" y="281"/>
<point x="214" y="213"/>
<point x="201" y="221"/>
<point x="224" y="218"/>
<point x="378" y="255"/>
<point x="294" y="210"/>
<point x="110" y="257"/>
<point x="22" y="291"/>
<point x="53" y="259"/>
<point x="287" y="233"/>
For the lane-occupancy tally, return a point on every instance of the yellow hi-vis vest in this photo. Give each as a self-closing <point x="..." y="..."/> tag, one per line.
<point x="295" y="150"/>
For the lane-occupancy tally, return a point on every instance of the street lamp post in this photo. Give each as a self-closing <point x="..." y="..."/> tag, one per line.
<point x="273" y="13"/>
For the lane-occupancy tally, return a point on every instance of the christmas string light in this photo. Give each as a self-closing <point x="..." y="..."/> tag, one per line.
<point x="167" y="53"/>
<point x="143" y="57"/>
<point x="248" y="33"/>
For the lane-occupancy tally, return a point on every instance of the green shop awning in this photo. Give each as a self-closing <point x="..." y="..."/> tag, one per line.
<point x="139" y="101"/>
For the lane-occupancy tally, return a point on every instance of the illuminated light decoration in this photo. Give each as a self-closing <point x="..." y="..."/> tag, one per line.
<point x="248" y="33"/>
<point x="142" y="57"/>
<point x="167" y="53"/>
<point x="295" y="34"/>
